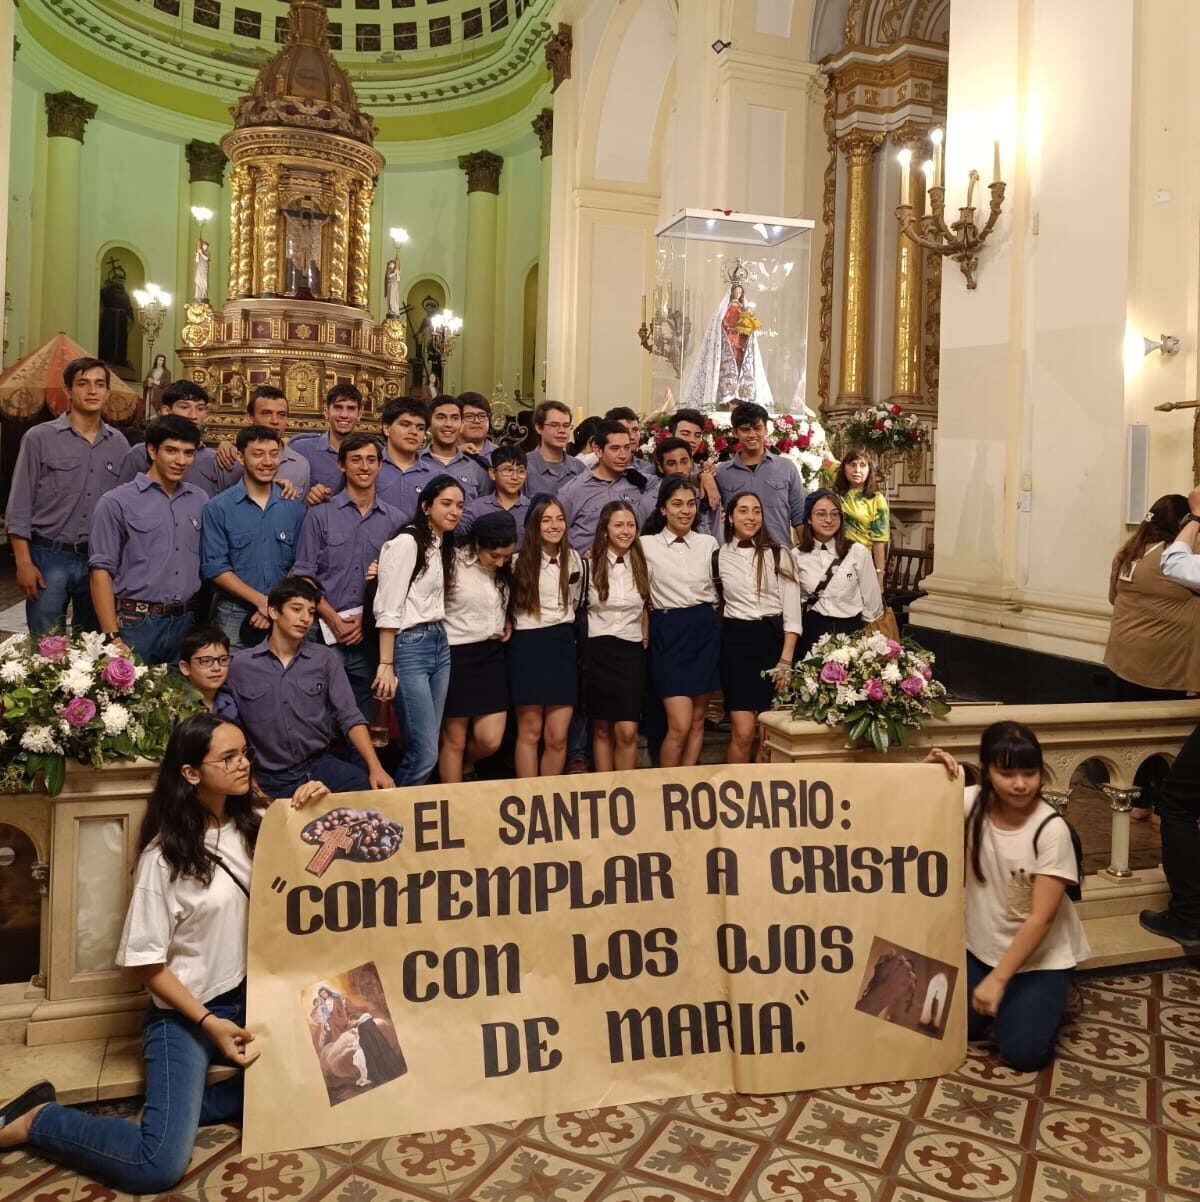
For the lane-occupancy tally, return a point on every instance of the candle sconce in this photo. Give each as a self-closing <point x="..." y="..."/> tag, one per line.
<point x="669" y="334"/>
<point x="961" y="240"/>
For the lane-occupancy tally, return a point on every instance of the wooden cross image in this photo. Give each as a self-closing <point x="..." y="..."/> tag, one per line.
<point x="338" y="838"/>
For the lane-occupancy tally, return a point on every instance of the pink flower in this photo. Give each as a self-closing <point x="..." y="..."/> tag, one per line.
<point x="914" y="686"/>
<point x="832" y="672"/>
<point x="875" y="690"/>
<point x="79" y="711"/>
<point x="787" y="420"/>
<point x="893" y="648"/>
<point x="120" y="673"/>
<point x="927" y="672"/>
<point x="54" y="647"/>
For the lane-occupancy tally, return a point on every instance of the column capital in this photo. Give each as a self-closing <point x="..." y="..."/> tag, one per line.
<point x="860" y="145"/>
<point x="911" y="136"/>
<point x="483" y="171"/>
<point x="67" y="114"/>
<point x="206" y="163"/>
<point x="543" y="126"/>
<point x="558" y="55"/>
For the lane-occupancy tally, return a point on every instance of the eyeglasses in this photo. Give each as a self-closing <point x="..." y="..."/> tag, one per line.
<point x="556" y="426"/>
<point x="231" y="759"/>
<point x="211" y="661"/>
<point x="510" y="469"/>
<point x="475" y="417"/>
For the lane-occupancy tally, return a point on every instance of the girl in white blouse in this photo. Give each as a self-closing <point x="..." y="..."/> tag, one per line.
<point x="618" y="630"/>
<point x="685" y="632"/>
<point x="837" y="576"/>
<point x="477" y="627"/>
<point x="761" y="620"/>
<point x="416" y="575"/>
<point x="542" y="665"/>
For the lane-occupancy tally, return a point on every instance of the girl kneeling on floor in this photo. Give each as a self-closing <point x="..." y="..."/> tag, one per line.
<point x="1024" y="937"/>
<point x="185" y="934"/>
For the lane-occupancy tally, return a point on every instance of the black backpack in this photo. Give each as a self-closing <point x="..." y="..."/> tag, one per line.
<point x="1074" y="891"/>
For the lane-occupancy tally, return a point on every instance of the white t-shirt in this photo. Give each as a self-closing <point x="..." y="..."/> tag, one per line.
<point x="1000" y="903"/>
<point x="198" y="931"/>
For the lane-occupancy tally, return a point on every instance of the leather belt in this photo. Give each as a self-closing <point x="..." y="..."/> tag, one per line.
<point x="54" y="544"/>
<point x="160" y="609"/>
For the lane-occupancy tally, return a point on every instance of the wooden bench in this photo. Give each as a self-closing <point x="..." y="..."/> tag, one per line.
<point x="902" y="576"/>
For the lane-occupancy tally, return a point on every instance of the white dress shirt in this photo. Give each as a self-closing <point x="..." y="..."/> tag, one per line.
<point x="853" y="588"/>
<point x="620" y="615"/>
<point x="399" y="607"/>
<point x="475" y="610"/>
<point x="780" y="590"/>
<point x="1182" y="565"/>
<point x="553" y="613"/>
<point x="680" y="569"/>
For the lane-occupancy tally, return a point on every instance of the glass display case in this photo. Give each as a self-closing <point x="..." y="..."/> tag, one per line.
<point x="728" y="318"/>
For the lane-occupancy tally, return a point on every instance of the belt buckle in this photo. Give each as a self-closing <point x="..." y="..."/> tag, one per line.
<point x="141" y="607"/>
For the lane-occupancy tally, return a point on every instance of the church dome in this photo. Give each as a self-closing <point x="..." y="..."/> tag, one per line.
<point x="303" y="86"/>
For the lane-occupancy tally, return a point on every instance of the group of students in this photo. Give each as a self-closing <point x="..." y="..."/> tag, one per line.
<point x="185" y="935"/>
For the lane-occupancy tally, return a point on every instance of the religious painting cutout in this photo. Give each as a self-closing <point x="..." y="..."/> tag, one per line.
<point x="352" y="1033"/>
<point x="362" y="836"/>
<point x="904" y="987"/>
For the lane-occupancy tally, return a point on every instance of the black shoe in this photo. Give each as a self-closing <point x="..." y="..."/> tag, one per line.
<point x="1164" y="924"/>
<point x="35" y="1095"/>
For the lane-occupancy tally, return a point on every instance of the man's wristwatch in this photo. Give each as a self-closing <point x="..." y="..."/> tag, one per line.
<point x="1191" y="517"/>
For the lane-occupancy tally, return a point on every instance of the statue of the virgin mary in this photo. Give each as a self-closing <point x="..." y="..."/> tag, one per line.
<point x="728" y="368"/>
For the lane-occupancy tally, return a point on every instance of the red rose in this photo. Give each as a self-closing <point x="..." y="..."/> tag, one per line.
<point x="786" y="444"/>
<point x="720" y="444"/>
<point x="914" y="435"/>
<point x="804" y="440"/>
<point x="787" y="420"/>
<point x="879" y="425"/>
<point x="708" y="424"/>
<point x="895" y="411"/>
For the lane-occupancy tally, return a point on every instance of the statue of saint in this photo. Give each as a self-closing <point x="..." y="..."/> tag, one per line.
<point x="200" y="272"/>
<point x="116" y="316"/>
<point x="154" y="386"/>
<point x="429" y="362"/>
<point x="391" y="289"/>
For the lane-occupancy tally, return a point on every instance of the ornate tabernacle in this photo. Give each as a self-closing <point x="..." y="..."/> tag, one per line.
<point x="302" y="180"/>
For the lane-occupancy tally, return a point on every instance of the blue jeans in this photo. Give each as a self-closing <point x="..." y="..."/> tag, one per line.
<point x="337" y="775"/>
<point x="66" y="577"/>
<point x="359" y="660"/>
<point x="422" y="661"/>
<point x="1029" y="1016"/>
<point x="229" y="617"/>
<point x="155" y="637"/>
<point x="150" y="1157"/>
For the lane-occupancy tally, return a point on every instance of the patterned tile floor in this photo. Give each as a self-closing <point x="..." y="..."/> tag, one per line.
<point x="1116" y="1118"/>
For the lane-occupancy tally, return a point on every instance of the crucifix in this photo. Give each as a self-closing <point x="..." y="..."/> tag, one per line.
<point x="338" y="838"/>
<point x="303" y="229"/>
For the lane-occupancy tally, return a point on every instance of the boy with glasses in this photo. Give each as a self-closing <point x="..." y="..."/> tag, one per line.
<point x="204" y="661"/>
<point x="476" y="426"/>
<point x="508" y="474"/>
<point x="550" y="466"/>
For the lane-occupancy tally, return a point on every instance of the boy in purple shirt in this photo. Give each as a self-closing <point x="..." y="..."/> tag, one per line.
<point x="443" y="454"/>
<point x="584" y="497"/>
<point x="508" y="476"/>
<point x="343" y="411"/>
<point x="550" y="465"/>
<point x="287" y="693"/>
<point x="63" y="468"/>
<point x="144" y="548"/>
<point x="403" y="472"/>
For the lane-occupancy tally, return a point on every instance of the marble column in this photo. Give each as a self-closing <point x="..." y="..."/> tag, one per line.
<point x="67" y="116"/>
<point x="860" y="151"/>
<point x="543" y="126"/>
<point x="206" y="174"/>
<point x="479" y="323"/>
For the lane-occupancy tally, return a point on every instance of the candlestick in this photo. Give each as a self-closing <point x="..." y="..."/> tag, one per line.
<point x="905" y="157"/>
<point x="939" y="167"/>
<point x="996" y="162"/>
<point x="643" y="308"/>
<point x="972" y="180"/>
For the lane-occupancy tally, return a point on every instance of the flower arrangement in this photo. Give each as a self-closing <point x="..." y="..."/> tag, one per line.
<point x="799" y="437"/>
<point x="887" y="430"/>
<point x="66" y="697"/>
<point x="875" y="687"/>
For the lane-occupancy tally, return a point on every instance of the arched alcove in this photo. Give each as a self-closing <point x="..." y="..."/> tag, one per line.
<point x="426" y="297"/>
<point x="117" y="325"/>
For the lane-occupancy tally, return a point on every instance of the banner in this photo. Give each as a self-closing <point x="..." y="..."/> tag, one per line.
<point x="451" y="955"/>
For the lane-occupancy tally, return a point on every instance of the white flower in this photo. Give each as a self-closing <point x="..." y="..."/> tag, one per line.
<point x="115" y="718"/>
<point x="891" y="672"/>
<point x="840" y="655"/>
<point x="40" y="740"/>
<point x="93" y="644"/>
<point x="11" y="646"/>
<point x="75" y="682"/>
<point x="11" y="670"/>
<point x="3" y="738"/>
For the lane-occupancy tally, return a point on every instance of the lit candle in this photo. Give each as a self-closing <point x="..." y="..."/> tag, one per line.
<point x="939" y="167"/>
<point x="996" y="161"/>
<point x="905" y="157"/>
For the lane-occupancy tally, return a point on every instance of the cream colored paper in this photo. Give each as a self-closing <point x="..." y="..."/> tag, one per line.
<point x="766" y="928"/>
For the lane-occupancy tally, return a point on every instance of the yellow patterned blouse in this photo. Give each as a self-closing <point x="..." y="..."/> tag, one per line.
<point x="867" y="518"/>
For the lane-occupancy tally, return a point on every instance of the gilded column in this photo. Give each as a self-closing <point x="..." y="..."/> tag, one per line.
<point x="237" y="186"/>
<point x="246" y="210"/>
<point x="360" y="245"/>
<point x="339" y="252"/>
<point x="543" y="126"/>
<point x="67" y="116"/>
<point x="266" y="233"/>
<point x="856" y="299"/>
<point x="906" y="320"/>
<point x="206" y="174"/>
<point x="479" y="305"/>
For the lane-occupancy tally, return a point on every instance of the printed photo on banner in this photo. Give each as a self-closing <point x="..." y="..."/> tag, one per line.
<point x="904" y="987"/>
<point x="362" y="836"/>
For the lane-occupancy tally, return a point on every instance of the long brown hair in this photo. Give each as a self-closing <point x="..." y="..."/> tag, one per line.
<point x="1160" y="525"/>
<point x="637" y="558"/>
<point x="841" y="482"/>
<point x="1002" y="745"/>
<point x="527" y="575"/>
<point x="841" y="540"/>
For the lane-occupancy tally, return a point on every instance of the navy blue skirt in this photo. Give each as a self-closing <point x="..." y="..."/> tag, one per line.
<point x="542" y="666"/>
<point x="478" y="680"/>
<point x="685" y="651"/>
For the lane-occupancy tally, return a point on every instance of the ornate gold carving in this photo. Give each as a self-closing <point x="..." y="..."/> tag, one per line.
<point x="245" y="282"/>
<point x="906" y="309"/>
<point x="543" y="126"/>
<point x="483" y="171"/>
<point x="933" y="327"/>
<point x="206" y="163"/>
<point x="859" y="148"/>
<point x="67" y="115"/>
<point x="237" y="185"/>
<point x="558" y="56"/>
<point x="266" y="229"/>
<point x="198" y="331"/>
<point x="303" y="384"/>
<point x="360" y="245"/>
<point x="340" y="250"/>
<point x="853" y="18"/>
<point x="394" y="346"/>
<point x="892" y="21"/>
<point x="303" y="86"/>
<point x="828" y="210"/>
